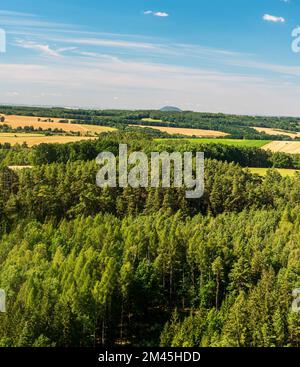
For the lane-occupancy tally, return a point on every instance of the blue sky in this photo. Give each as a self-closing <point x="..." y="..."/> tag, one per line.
<point x="205" y="55"/>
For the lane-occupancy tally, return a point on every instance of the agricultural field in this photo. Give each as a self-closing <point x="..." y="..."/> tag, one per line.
<point x="234" y="142"/>
<point x="187" y="132"/>
<point x="45" y="123"/>
<point x="283" y="171"/>
<point x="271" y="131"/>
<point x="19" y="168"/>
<point x="148" y="119"/>
<point x="36" y="139"/>
<point x="292" y="147"/>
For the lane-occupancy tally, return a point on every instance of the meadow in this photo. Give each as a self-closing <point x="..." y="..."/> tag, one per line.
<point x="233" y="142"/>
<point x="290" y="147"/>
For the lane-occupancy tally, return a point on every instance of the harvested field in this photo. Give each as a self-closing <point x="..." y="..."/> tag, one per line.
<point x="44" y="123"/>
<point x="187" y="132"/>
<point x="271" y="131"/>
<point x="292" y="147"/>
<point x="31" y="139"/>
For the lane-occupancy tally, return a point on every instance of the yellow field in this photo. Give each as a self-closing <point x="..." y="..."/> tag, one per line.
<point x="22" y="121"/>
<point x="271" y="131"/>
<point x="188" y="132"/>
<point x="292" y="147"/>
<point x="283" y="171"/>
<point x="19" y="168"/>
<point x="10" y="135"/>
<point x="149" y="119"/>
<point x="36" y="139"/>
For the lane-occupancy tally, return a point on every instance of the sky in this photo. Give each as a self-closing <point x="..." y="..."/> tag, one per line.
<point x="232" y="56"/>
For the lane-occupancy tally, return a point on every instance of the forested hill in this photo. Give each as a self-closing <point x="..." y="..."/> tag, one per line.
<point x="235" y="125"/>
<point x="84" y="266"/>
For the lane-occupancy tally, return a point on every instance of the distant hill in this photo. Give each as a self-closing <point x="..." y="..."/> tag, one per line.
<point x="170" y="109"/>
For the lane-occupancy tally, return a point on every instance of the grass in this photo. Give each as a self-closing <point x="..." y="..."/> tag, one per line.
<point x="283" y="171"/>
<point x="233" y="142"/>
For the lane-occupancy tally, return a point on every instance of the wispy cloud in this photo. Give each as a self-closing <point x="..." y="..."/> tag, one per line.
<point x="145" y="85"/>
<point x="15" y="13"/>
<point x="107" y="42"/>
<point x="43" y="48"/>
<point x="273" y="18"/>
<point x="14" y="19"/>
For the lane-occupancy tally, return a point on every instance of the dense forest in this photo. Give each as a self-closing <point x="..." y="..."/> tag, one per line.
<point x="85" y="266"/>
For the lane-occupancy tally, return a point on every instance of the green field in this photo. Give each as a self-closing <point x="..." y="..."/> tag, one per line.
<point x="234" y="142"/>
<point x="283" y="171"/>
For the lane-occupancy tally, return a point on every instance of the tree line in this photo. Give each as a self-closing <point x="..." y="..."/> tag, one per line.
<point x="142" y="141"/>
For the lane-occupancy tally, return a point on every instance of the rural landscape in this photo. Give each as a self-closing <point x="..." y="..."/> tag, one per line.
<point x="85" y="266"/>
<point x="149" y="181"/>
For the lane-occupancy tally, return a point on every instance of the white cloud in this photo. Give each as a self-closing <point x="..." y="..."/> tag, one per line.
<point x="156" y="13"/>
<point x="273" y="18"/>
<point x="13" y="94"/>
<point x="161" y="14"/>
